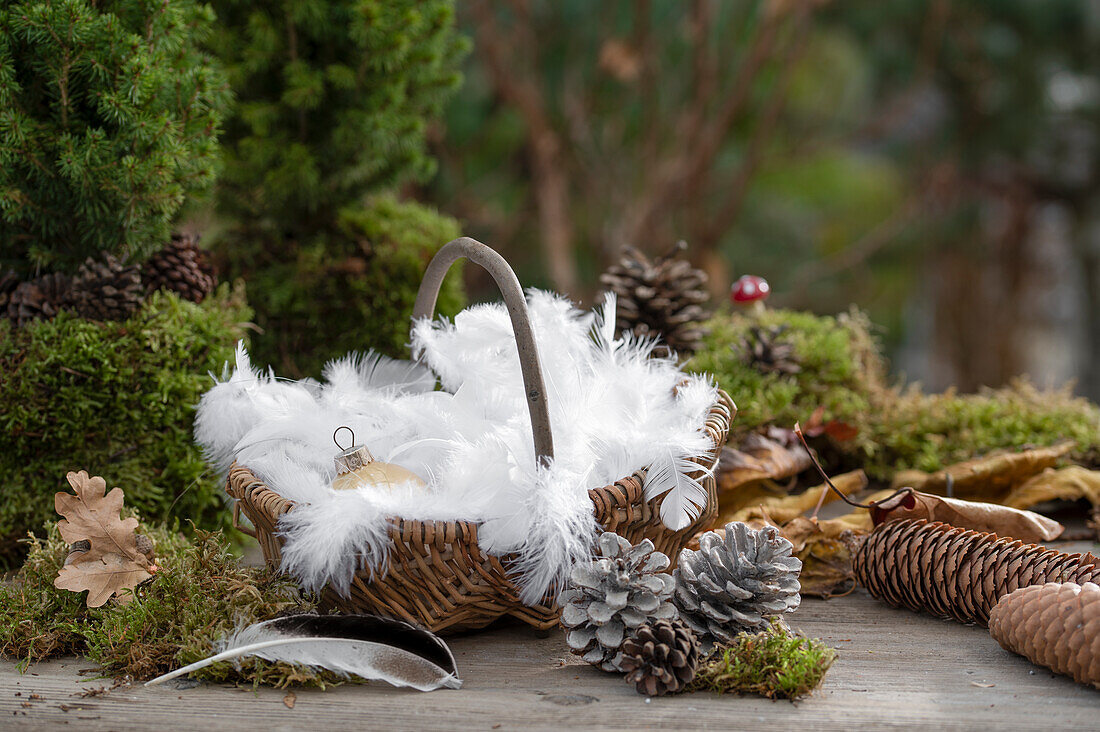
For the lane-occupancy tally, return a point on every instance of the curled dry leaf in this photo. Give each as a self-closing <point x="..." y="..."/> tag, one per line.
<point x="1001" y="520"/>
<point x="759" y="458"/>
<point x="106" y="558"/>
<point x="1069" y="484"/>
<point x="985" y="478"/>
<point x="780" y="509"/>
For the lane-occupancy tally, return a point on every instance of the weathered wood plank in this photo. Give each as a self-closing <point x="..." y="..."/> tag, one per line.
<point x="894" y="669"/>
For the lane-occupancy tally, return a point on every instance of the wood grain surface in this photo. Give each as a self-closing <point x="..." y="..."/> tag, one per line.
<point x="895" y="669"/>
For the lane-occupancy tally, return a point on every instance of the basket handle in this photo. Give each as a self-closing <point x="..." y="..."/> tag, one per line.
<point x="509" y="287"/>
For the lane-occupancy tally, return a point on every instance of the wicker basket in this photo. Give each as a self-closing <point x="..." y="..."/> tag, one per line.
<point x="437" y="575"/>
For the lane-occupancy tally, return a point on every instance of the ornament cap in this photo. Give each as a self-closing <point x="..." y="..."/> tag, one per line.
<point x="350" y="458"/>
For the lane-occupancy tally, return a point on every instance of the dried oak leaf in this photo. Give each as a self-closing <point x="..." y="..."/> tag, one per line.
<point x="113" y="562"/>
<point x="1027" y="526"/>
<point x="989" y="477"/>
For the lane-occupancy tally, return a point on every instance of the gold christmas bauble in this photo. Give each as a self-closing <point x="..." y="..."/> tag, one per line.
<point x="357" y="468"/>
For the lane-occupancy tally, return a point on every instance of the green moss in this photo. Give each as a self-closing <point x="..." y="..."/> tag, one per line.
<point x="349" y="289"/>
<point x="201" y="593"/>
<point x="843" y="371"/>
<point x="775" y="663"/>
<point x="928" y="432"/>
<point x="840" y="368"/>
<point x="117" y="400"/>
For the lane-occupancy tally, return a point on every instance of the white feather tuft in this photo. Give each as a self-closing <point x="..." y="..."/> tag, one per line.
<point x="614" y="409"/>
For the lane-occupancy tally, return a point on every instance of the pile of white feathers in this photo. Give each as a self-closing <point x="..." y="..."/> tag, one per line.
<point x="613" y="410"/>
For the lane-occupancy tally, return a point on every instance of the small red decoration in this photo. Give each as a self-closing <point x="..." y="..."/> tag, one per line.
<point x="750" y="289"/>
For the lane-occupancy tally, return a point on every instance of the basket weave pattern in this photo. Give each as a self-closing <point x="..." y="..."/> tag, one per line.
<point x="436" y="574"/>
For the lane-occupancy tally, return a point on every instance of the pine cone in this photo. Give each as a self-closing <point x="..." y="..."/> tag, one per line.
<point x="1056" y="625"/>
<point x="764" y="350"/>
<point x="622" y="589"/>
<point x="107" y="290"/>
<point x="958" y="573"/>
<point x="41" y="297"/>
<point x="660" y="297"/>
<point x="660" y="657"/>
<point x="736" y="583"/>
<point x="181" y="267"/>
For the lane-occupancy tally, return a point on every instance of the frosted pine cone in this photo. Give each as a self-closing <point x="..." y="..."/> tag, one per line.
<point x="736" y="583"/>
<point x="616" y="593"/>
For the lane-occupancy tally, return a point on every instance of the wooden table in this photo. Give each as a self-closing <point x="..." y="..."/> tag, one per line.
<point x="894" y="668"/>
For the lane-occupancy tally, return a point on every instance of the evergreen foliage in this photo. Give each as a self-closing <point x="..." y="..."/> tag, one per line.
<point x="334" y="97"/>
<point x="116" y="399"/>
<point x="109" y="113"/>
<point x="334" y="101"/>
<point x="349" y="289"/>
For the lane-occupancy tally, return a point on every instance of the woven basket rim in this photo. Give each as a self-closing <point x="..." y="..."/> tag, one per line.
<point x="275" y="505"/>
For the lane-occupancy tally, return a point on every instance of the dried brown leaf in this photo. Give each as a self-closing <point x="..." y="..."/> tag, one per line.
<point x="1001" y="520"/>
<point x="106" y="559"/>
<point x="986" y="478"/>
<point x="781" y="509"/>
<point x="110" y="574"/>
<point x="759" y="458"/>
<point x="1067" y="484"/>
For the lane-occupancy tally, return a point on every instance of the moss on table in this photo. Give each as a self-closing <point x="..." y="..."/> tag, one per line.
<point x="899" y="426"/>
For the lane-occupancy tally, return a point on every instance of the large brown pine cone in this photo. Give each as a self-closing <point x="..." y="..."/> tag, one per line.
<point x="661" y="657"/>
<point x="107" y="290"/>
<point x="181" y="267"/>
<point x="958" y="573"/>
<point x="1056" y="625"/>
<point x="664" y="297"/>
<point x="41" y="297"/>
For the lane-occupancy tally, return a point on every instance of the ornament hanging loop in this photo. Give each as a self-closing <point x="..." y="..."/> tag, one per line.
<point x="337" y="431"/>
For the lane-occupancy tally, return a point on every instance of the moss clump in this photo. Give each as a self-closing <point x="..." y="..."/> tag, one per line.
<point x="116" y="399"/>
<point x="201" y="593"/>
<point x="840" y="368"/>
<point x="843" y="371"/>
<point x="928" y="432"/>
<point x="346" y="290"/>
<point x="775" y="663"/>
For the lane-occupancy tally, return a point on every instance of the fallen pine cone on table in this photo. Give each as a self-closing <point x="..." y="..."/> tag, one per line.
<point x="1056" y="625"/>
<point x="958" y="573"/>
<point x="661" y="657"/>
<point x="610" y="596"/>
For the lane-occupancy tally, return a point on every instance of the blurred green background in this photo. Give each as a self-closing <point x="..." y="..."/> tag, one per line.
<point x="932" y="161"/>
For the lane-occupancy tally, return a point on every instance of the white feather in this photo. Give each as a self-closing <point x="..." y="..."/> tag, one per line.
<point x="670" y="474"/>
<point x="614" y="409"/>
<point x="373" y="657"/>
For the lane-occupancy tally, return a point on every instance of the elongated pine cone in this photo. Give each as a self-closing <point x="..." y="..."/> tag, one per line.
<point x="660" y="657"/>
<point x="736" y="583"/>
<point x="620" y="591"/>
<point x="1056" y="625"/>
<point x="958" y="573"/>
